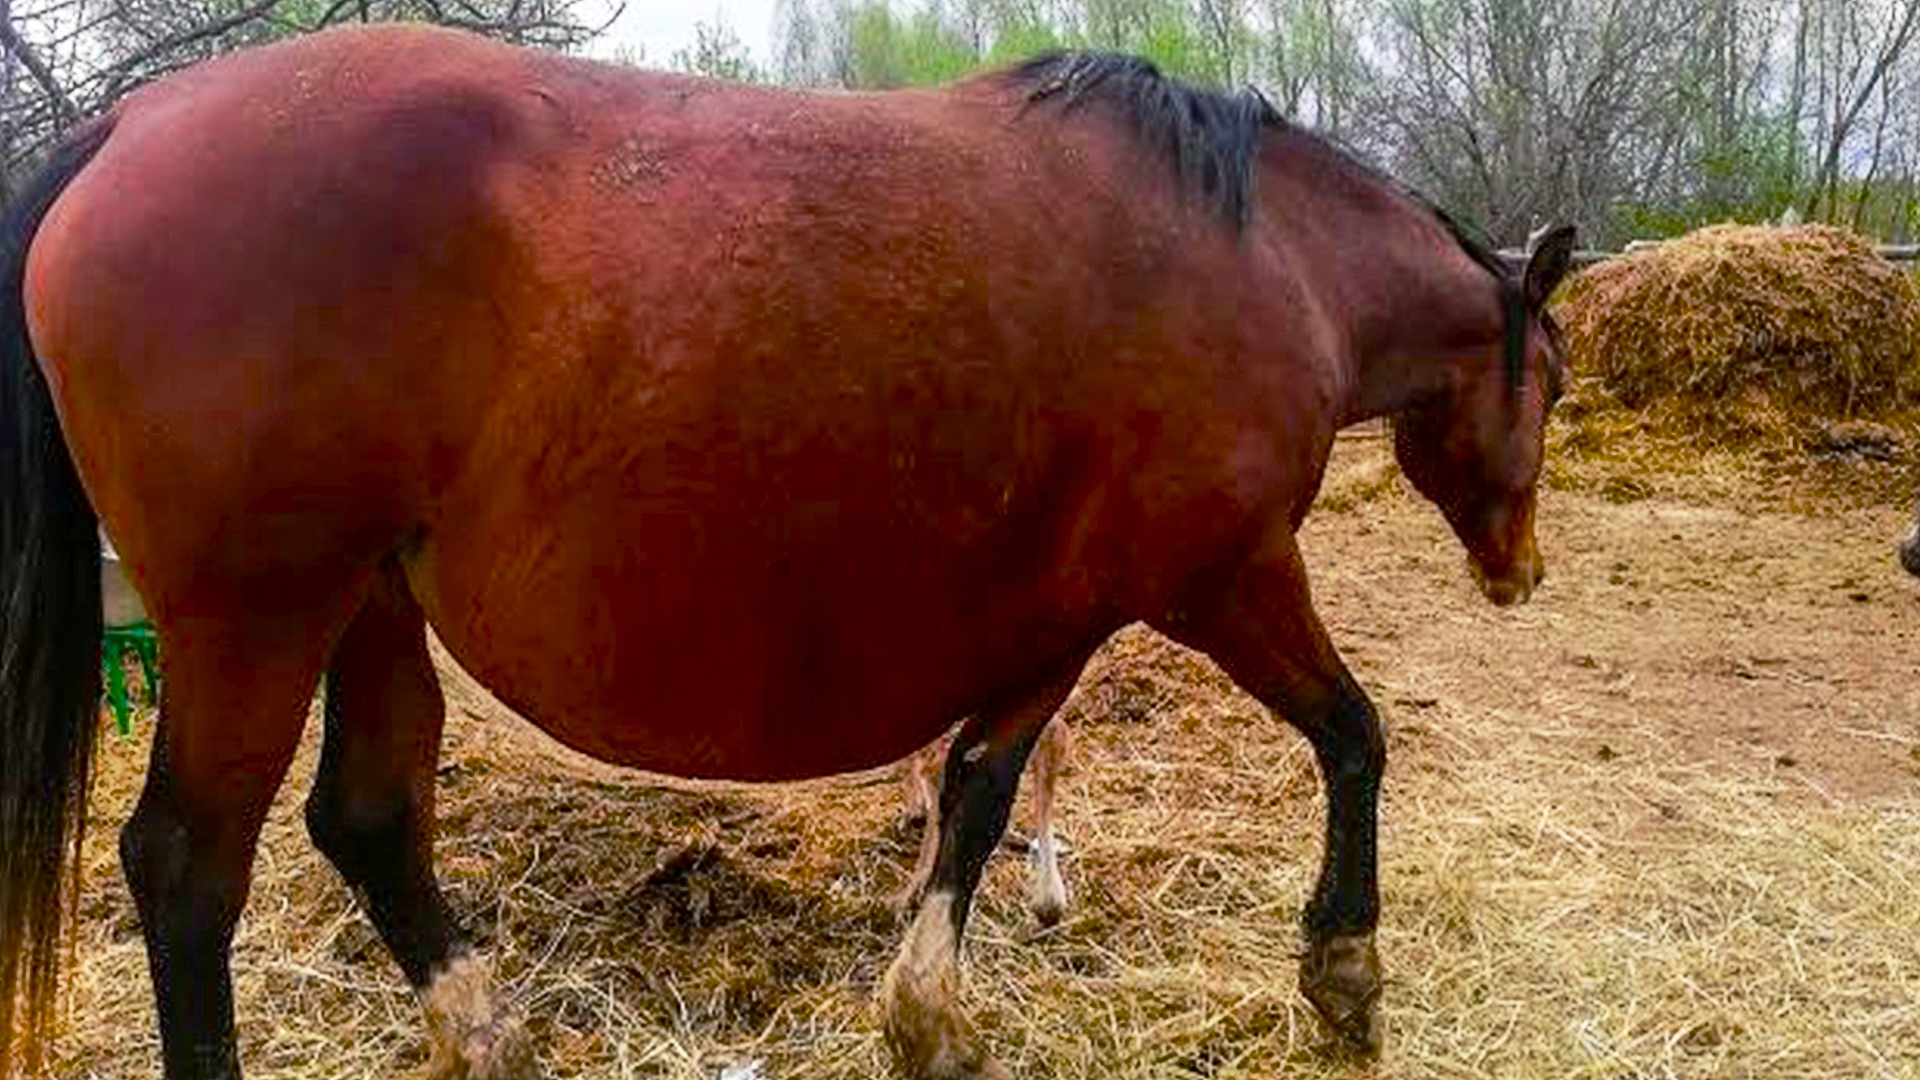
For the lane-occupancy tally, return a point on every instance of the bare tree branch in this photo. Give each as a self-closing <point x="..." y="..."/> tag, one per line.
<point x="126" y="70"/>
<point x="14" y="44"/>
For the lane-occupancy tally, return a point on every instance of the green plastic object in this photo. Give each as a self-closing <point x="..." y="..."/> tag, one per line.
<point x="139" y="640"/>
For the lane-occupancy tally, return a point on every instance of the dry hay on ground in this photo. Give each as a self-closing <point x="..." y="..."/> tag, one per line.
<point x="1746" y="337"/>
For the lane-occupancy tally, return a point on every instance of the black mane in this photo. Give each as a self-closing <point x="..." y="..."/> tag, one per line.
<point x="1470" y="240"/>
<point x="1213" y="139"/>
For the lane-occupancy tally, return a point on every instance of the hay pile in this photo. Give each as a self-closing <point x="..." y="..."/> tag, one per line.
<point x="1744" y="335"/>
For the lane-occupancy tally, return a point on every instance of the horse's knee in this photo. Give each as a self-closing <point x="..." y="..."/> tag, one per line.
<point x="1351" y="748"/>
<point x="188" y="886"/>
<point x="366" y="827"/>
<point x="1349" y="740"/>
<point x="174" y="868"/>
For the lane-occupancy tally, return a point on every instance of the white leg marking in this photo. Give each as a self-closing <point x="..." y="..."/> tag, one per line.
<point x="1049" y="894"/>
<point x="1049" y="891"/>
<point x="923" y="794"/>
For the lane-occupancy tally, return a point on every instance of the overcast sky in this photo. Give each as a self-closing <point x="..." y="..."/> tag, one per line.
<point x="658" y="28"/>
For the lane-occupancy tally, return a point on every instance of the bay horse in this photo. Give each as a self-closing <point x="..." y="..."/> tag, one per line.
<point x="722" y="432"/>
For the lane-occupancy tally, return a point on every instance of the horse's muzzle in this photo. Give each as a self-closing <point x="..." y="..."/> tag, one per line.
<point x="1516" y="584"/>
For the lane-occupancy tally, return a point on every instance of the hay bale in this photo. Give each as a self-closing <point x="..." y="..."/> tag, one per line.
<point x="1743" y="331"/>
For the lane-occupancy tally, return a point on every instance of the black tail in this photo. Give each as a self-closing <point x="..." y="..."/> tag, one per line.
<point x="49" y="642"/>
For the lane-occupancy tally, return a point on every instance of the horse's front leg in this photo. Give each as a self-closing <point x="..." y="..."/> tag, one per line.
<point x="928" y="1034"/>
<point x="1261" y="628"/>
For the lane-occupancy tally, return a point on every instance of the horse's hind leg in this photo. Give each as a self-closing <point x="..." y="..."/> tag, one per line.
<point x="1049" y="758"/>
<point x="371" y="813"/>
<point x="929" y="1036"/>
<point x="233" y="707"/>
<point x="1262" y="629"/>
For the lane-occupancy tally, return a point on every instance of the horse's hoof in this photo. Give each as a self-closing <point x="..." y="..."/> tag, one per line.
<point x="927" y="1032"/>
<point x="1049" y="913"/>
<point x="927" y="1035"/>
<point x="1341" y="979"/>
<point x="503" y="1053"/>
<point x="936" y="1058"/>
<point x="932" y="1041"/>
<point x="474" y="1037"/>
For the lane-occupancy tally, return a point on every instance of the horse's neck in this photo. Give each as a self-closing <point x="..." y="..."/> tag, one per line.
<point x="1410" y="305"/>
<point x="1417" y="322"/>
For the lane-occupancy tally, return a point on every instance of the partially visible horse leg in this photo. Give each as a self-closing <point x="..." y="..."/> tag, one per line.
<point x="922" y="798"/>
<point x="234" y="704"/>
<point x="1262" y="630"/>
<point x="920" y="794"/>
<point x="928" y="1034"/>
<point x="371" y="813"/>
<point x="1049" y="758"/>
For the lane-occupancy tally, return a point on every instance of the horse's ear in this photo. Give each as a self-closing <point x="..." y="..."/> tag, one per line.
<point x="1549" y="254"/>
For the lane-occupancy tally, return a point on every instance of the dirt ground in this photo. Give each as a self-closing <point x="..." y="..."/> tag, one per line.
<point x="1754" y="641"/>
<point x="1662" y="821"/>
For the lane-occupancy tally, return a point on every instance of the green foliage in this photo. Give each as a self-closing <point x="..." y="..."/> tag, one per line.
<point x="924" y="49"/>
<point x="1020" y="40"/>
<point x="931" y="53"/>
<point x="873" y="49"/>
<point x="1753" y="177"/>
<point x="1170" y="42"/>
<point x="1634" y="118"/>
<point x="718" y="53"/>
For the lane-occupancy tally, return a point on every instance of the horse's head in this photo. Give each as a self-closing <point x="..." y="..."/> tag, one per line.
<point x="1475" y="449"/>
